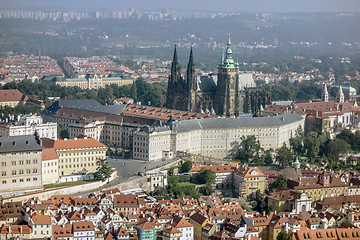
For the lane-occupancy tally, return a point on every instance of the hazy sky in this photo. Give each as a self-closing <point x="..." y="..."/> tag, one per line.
<point x="207" y="5"/>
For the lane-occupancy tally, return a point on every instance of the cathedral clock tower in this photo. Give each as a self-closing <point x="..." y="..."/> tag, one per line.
<point x="227" y="92"/>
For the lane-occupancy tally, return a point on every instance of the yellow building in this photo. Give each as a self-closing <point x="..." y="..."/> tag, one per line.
<point x="260" y="223"/>
<point x="325" y="185"/>
<point x="199" y="221"/>
<point x="77" y="155"/>
<point x="248" y="181"/>
<point x="12" y="98"/>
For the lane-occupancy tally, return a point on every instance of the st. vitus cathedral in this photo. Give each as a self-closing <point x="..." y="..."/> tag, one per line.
<point x="229" y="94"/>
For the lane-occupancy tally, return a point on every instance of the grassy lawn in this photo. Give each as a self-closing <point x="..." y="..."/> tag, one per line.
<point x="186" y="184"/>
<point x="64" y="184"/>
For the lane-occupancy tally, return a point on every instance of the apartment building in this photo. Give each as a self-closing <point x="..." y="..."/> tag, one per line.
<point x="76" y="155"/>
<point x="21" y="163"/>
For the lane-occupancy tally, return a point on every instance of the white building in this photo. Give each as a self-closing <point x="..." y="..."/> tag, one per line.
<point x="84" y="230"/>
<point x="27" y="125"/>
<point x="219" y="138"/>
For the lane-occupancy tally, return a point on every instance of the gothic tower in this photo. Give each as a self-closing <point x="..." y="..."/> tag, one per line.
<point x="325" y="94"/>
<point x="340" y="97"/>
<point x="227" y="93"/>
<point x="176" y="96"/>
<point x="191" y="84"/>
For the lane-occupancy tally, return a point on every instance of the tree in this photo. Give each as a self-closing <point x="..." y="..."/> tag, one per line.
<point x="250" y="149"/>
<point x="206" y="176"/>
<point x="336" y="147"/>
<point x="268" y="159"/>
<point x="280" y="182"/>
<point x="284" y="236"/>
<point x="312" y="145"/>
<point x="103" y="170"/>
<point x="284" y="156"/>
<point x="186" y="166"/>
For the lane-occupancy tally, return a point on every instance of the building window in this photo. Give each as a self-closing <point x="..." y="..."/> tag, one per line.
<point x="13" y="173"/>
<point x="3" y="164"/>
<point x="4" y="181"/>
<point x="35" y="179"/>
<point x="3" y="173"/>
<point x="13" y="163"/>
<point x="14" y="180"/>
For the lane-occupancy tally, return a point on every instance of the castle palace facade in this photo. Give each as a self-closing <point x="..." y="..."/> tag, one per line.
<point x="229" y="94"/>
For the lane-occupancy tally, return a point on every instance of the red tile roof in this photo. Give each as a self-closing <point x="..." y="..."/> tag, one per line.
<point x="49" y="154"/>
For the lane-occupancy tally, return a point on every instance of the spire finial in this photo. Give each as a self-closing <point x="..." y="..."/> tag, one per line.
<point x="229" y="41"/>
<point x="175" y="55"/>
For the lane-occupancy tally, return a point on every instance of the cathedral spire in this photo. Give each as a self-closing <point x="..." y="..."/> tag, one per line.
<point x="190" y="74"/>
<point x="228" y="62"/>
<point x="175" y="55"/>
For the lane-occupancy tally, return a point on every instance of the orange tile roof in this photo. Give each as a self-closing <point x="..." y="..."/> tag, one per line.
<point x="171" y="230"/>
<point x="72" y="143"/>
<point x="62" y="230"/>
<point x="248" y="172"/>
<point x="180" y="222"/>
<point x="49" y="154"/>
<point x="41" y="219"/>
<point x="83" y="226"/>
<point x="12" y="95"/>
<point x="162" y="113"/>
<point x="15" y="229"/>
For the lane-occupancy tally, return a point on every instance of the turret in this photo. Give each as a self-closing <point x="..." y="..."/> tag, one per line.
<point x="340" y="95"/>
<point x="325" y="94"/>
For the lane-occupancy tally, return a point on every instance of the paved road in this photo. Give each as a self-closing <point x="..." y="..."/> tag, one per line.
<point x="127" y="169"/>
<point x="131" y="167"/>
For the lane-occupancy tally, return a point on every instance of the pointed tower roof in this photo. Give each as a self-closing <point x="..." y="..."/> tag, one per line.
<point x="340" y="95"/>
<point x="175" y="55"/>
<point x="228" y="62"/>
<point x="191" y="59"/>
<point x="325" y="94"/>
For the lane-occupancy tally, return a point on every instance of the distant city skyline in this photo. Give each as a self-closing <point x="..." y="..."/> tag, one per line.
<point x="283" y="6"/>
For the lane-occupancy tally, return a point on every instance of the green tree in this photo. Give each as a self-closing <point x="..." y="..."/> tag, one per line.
<point x="133" y="92"/>
<point x="186" y="166"/>
<point x="268" y="159"/>
<point x="337" y="147"/>
<point x="206" y="176"/>
<point x="284" y="236"/>
<point x="103" y="170"/>
<point x="280" y="182"/>
<point x="249" y="151"/>
<point x="284" y="156"/>
<point x="312" y="145"/>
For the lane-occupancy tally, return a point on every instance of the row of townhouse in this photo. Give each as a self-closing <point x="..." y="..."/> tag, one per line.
<point x="110" y="215"/>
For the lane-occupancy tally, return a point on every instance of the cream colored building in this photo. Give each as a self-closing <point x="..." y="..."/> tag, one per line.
<point x="28" y="125"/>
<point x="219" y="138"/>
<point x="92" y="81"/>
<point x="50" y="166"/>
<point x="20" y="164"/>
<point x="77" y="155"/>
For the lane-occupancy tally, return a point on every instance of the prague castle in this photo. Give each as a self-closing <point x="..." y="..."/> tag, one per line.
<point x="228" y="94"/>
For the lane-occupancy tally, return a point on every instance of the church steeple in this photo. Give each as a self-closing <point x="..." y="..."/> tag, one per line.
<point x="340" y="95"/>
<point x="325" y="94"/>
<point x="190" y="73"/>
<point x="228" y="62"/>
<point x="174" y="82"/>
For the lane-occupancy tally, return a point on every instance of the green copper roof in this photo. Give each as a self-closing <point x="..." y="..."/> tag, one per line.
<point x="228" y="62"/>
<point x="296" y="161"/>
